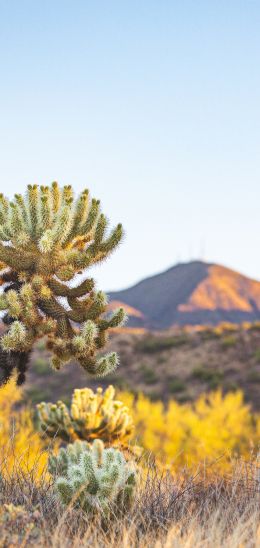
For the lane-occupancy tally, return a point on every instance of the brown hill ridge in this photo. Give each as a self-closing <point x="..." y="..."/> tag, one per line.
<point x="191" y="293"/>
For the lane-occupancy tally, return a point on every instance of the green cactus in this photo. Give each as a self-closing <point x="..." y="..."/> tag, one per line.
<point x="46" y="239"/>
<point x="90" y="416"/>
<point x="94" y="478"/>
<point x="58" y="464"/>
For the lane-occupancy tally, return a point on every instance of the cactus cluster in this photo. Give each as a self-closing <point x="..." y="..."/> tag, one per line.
<point x="93" y="478"/>
<point x="47" y="238"/>
<point x="91" y="415"/>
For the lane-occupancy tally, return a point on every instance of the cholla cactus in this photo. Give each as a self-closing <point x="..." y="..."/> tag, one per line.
<point x="90" y="416"/>
<point x="58" y="464"/>
<point x="46" y="239"/>
<point x="97" y="480"/>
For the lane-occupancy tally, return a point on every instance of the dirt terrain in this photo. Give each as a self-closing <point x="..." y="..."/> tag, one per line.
<point x="179" y="364"/>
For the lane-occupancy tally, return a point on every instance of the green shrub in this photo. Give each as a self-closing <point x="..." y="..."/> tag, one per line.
<point x="229" y="341"/>
<point x="176" y="385"/>
<point x="207" y="375"/>
<point x="253" y="376"/>
<point x="157" y="344"/>
<point x="41" y="345"/>
<point x="148" y="375"/>
<point x="41" y="366"/>
<point x="209" y="334"/>
<point x="257" y="355"/>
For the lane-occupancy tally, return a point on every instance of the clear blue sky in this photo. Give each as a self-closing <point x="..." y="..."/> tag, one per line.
<point x="153" y="105"/>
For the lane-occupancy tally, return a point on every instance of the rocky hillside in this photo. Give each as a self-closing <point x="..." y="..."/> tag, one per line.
<point x="177" y="364"/>
<point x="194" y="293"/>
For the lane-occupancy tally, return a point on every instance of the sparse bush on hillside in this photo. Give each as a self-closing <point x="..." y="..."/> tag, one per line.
<point x="229" y="341"/>
<point x="148" y="374"/>
<point x="41" y="366"/>
<point x="91" y="415"/>
<point x="175" y="385"/>
<point x="46" y="239"/>
<point x="100" y="481"/>
<point x="157" y="344"/>
<point x="257" y="355"/>
<point x="213" y="377"/>
<point x="253" y="376"/>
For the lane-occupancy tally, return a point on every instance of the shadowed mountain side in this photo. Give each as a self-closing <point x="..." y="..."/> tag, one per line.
<point x="192" y="293"/>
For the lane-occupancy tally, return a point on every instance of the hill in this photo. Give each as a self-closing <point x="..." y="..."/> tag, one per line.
<point x="179" y="364"/>
<point x="194" y="293"/>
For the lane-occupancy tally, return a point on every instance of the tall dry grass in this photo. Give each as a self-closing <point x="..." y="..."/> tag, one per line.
<point x="199" y="512"/>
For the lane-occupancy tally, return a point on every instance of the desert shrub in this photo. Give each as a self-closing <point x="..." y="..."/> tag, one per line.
<point x="157" y="344"/>
<point x="210" y="333"/>
<point x="204" y="374"/>
<point x="41" y="366"/>
<point x="187" y="434"/>
<point x="94" y="479"/>
<point x="253" y="376"/>
<point x="19" y="443"/>
<point x="175" y="385"/>
<point x="148" y="374"/>
<point x="257" y="355"/>
<point x="255" y="326"/>
<point x="229" y="341"/>
<point x="41" y="345"/>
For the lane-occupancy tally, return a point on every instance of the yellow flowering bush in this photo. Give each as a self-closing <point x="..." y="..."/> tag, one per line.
<point x="211" y="430"/>
<point x="21" y="447"/>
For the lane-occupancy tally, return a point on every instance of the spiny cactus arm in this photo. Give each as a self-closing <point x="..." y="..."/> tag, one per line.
<point x="64" y="290"/>
<point x="23" y="209"/>
<point x="4" y="205"/>
<point x="98" y="306"/>
<point x="91" y="218"/>
<point x="18" y="229"/>
<point x="65" y="490"/>
<point x="64" y="328"/>
<point x="33" y="207"/>
<point x="63" y="223"/>
<point x="3" y="302"/>
<point x="13" y="304"/>
<point x="79" y="218"/>
<point x="117" y="319"/>
<point x="54" y="420"/>
<point x="97" y="250"/>
<point x="79" y="308"/>
<point x="107" y="364"/>
<point x="46" y="208"/>
<point x="56" y="197"/>
<point x="15" y="260"/>
<point x="17" y="338"/>
<point x="52" y="308"/>
<point x="112" y="241"/>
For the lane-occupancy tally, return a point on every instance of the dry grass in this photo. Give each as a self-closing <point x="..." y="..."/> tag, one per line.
<point x="168" y="512"/>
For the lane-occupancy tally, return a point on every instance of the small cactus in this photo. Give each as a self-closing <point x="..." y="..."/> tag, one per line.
<point x="58" y="464"/>
<point x="90" y="416"/>
<point x="93" y="478"/>
<point x="47" y="238"/>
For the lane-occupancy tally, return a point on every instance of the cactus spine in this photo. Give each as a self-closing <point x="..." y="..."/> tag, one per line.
<point x="46" y="239"/>
<point x="90" y="416"/>
<point x="94" y="478"/>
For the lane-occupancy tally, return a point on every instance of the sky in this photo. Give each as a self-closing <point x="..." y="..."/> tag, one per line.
<point x="152" y="105"/>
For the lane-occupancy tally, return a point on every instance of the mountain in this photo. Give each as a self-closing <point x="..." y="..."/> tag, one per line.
<point x="191" y="293"/>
